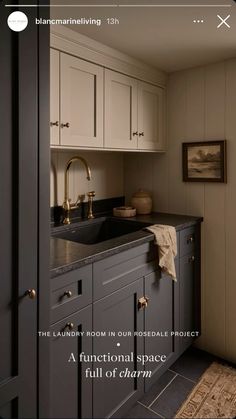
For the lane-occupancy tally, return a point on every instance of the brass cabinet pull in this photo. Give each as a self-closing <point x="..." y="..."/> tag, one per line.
<point x="69" y="326"/>
<point x="66" y="125"/>
<point x="31" y="294"/>
<point x="68" y="294"/>
<point x="135" y="133"/>
<point x="190" y="240"/>
<point x="54" y="124"/>
<point x="143" y="302"/>
<point x="191" y="259"/>
<point x="141" y="134"/>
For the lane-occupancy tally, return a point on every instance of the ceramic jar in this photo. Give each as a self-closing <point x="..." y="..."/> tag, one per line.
<point x="142" y="201"/>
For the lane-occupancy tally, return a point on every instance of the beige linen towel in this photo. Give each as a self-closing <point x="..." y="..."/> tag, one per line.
<point x="165" y="239"/>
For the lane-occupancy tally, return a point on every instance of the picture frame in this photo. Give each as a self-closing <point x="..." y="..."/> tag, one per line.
<point x="204" y="161"/>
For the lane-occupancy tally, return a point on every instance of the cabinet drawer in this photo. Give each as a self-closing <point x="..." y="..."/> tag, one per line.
<point x="119" y="270"/>
<point x="71" y="292"/>
<point x="187" y="241"/>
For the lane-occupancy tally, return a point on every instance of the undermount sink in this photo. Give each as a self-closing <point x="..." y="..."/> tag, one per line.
<point x="99" y="230"/>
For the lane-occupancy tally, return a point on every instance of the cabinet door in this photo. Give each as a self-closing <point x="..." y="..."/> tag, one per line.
<point x="120" y="111"/>
<point x="81" y="103"/>
<point x="116" y="313"/>
<point x="54" y="97"/>
<point x="189" y="297"/>
<point x="160" y="317"/>
<point x="151" y="116"/>
<point x="71" y="392"/>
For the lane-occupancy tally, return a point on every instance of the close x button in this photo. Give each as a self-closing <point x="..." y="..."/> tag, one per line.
<point x="223" y="21"/>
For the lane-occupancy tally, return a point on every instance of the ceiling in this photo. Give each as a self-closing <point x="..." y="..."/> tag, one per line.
<point x="164" y="37"/>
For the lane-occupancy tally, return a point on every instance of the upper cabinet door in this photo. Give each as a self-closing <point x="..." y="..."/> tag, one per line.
<point x="81" y="103"/>
<point x="54" y="97"/>
<point x="120" y="111"/>
<point x="151" y="116"/>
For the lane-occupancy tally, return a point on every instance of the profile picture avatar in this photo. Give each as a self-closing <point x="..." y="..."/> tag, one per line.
<point x="17" y="21"/>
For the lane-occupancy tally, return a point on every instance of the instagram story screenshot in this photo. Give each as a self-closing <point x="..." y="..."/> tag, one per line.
<point x="118" y="203"/>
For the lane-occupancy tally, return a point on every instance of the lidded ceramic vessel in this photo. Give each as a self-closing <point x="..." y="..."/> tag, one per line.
<point x="142" y="201"/>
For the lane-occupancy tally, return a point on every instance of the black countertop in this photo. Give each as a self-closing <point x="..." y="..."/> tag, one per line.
<point x="67" y="255"/>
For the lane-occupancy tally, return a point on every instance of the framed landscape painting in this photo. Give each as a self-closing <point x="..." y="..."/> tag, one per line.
<point x="204" y="161"/>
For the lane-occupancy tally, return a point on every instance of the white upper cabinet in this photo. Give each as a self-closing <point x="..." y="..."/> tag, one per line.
<point x="134" y="114"/>
<point x="151" y="117"/>
<point x="81" y="103"/>
<point x="54" y="97"/>
<point x="121" y="94"/>
<point x="92" y="106"/>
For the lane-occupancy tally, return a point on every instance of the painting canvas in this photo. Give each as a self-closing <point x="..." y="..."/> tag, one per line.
<point x="204" y="161"/>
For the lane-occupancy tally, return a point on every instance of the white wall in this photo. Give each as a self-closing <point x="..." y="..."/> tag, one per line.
<point x="107" y="175"/>
<point x="201" y="105"/>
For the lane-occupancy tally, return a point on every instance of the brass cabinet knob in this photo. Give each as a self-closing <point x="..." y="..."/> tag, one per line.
<point x="135" y="133"/>
<point x="54" y="124"/>
<point x="190" y="239"/>
<point x="143" y="302"/>
<point x="31" y="294"/>
<point x="141" y="134"/>
<point x="69" y="326"/>
<point x="68" y="294"/>
<point x="191" y="259"/>
<point x="66" y="125"/>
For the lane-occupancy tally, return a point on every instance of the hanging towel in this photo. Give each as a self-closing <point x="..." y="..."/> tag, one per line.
<point x="166" y="240"/>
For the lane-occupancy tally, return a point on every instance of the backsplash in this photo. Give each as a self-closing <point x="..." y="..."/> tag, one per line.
<point x="107" y="170"/>
<point x="151" y="177"/>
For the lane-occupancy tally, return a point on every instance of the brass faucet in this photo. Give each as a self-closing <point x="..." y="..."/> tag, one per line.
<point x="67" y="206"/>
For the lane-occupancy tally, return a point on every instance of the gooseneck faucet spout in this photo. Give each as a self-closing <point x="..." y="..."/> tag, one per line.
<point x="67" y="206"/>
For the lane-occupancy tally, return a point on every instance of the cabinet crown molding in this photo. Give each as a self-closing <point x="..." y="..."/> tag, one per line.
<point x="71" y="42"/>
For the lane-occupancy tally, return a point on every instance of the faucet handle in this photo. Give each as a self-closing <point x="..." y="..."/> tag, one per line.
<point x="80" y="199"/>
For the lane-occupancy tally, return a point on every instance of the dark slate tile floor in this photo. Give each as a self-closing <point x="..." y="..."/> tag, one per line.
<point x="169" y="401"/>
<point x="192" y="364"/>
<point x="158" y="387"/>
<point x="167" y="395"/>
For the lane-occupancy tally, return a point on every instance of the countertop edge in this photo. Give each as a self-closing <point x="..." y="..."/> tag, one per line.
<point x="60" y="270"/>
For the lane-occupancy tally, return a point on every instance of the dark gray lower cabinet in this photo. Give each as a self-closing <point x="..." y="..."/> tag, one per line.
<point x="71" y="392"/>
<point x="160" y="319"/>
<point x="116" y="286"/>
<point x="118" y="316"/>
<point x="7" y="410"/>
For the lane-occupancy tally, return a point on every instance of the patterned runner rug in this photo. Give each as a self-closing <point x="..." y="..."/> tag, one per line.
<point x="214" y="396"/>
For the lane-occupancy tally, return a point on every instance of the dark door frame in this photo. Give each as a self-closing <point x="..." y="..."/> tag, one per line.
<point x="25" y="163"/>
<point x="44" y="212"/>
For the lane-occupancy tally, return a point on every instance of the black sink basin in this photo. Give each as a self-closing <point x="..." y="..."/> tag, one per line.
<point x="99" y="230"/>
